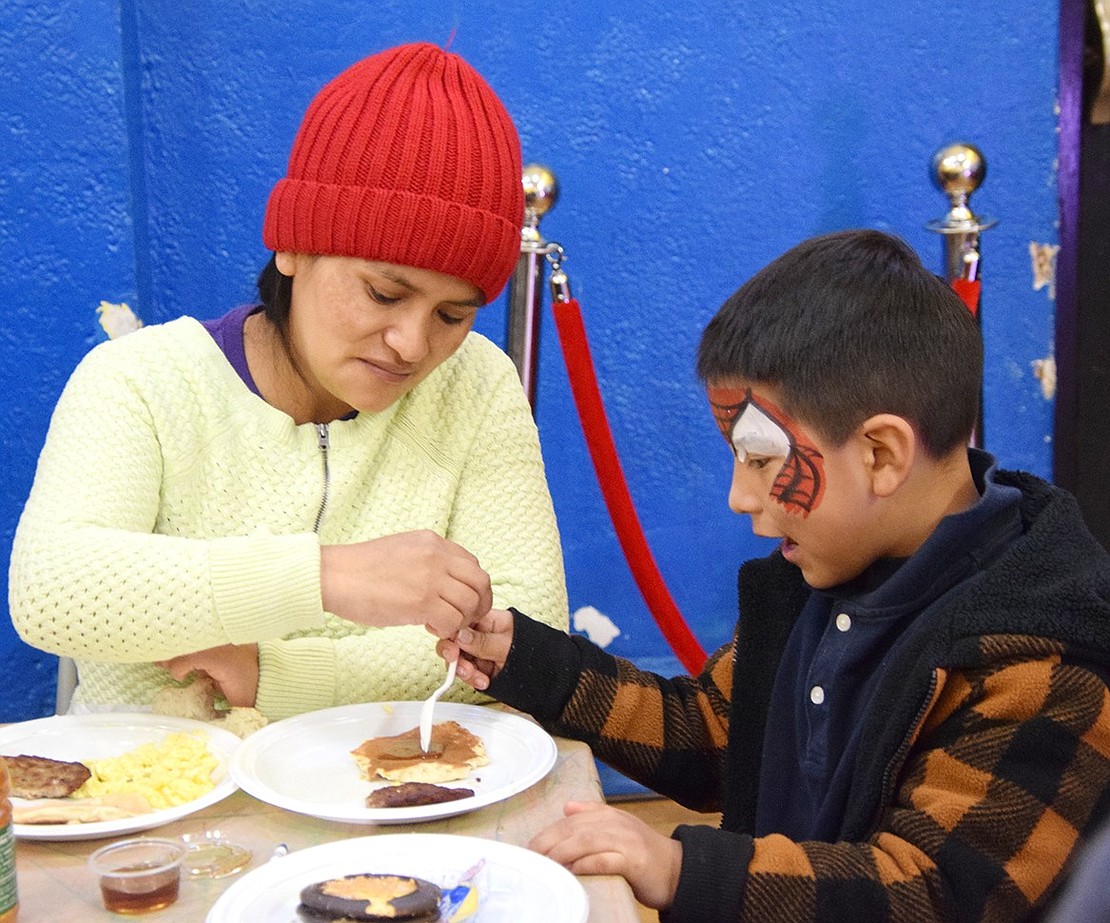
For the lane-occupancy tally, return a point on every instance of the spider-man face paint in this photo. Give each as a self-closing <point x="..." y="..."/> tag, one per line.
<point x="755" y="426"/>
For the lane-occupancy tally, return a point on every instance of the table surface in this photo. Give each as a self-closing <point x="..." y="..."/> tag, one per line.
<point x="55" y="884"/>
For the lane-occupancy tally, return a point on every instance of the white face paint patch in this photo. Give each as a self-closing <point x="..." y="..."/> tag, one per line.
<point x="753" y="426"/>
<point x="755" y="433"/>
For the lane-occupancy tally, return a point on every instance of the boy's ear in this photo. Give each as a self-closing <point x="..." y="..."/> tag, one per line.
<point x="889" y="445"/>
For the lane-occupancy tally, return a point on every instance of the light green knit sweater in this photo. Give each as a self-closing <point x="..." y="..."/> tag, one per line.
<point x="173" y="511"/>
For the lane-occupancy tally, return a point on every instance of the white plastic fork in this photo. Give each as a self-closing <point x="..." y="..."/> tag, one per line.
<point x="429" y="704"/>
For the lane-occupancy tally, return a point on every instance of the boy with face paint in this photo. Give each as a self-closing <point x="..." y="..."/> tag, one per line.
<point x="912" y="719"/>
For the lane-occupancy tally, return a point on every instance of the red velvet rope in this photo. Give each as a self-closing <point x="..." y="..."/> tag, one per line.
<point x="969" y="291"/>
<point x="607" y="465"/>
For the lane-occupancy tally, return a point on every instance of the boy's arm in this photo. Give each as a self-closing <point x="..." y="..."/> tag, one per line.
<point x="1005" y="781"/>
<point x="520" y="661"/>
<point x="667" y="734"/>
<point x="1009" y="776"/>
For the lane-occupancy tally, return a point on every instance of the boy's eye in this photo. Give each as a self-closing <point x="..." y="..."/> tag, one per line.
<point x="450" y="319"/>
<point x="757" y="462"/>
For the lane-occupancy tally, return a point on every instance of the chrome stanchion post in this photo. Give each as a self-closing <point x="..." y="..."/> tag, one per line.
<point x="522" y="337"/>
<point x="957" y="171"/>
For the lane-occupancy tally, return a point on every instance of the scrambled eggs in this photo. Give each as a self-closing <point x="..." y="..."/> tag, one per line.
<point x="170" y="772"/>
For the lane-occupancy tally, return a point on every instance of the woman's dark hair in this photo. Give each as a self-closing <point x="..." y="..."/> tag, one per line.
<point x="848" y="325"/>
<point x="275" y="293"/>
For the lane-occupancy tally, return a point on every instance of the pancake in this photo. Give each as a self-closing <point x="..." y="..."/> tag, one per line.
<point x="453" y="753"/>
<point x="371" y="897"/>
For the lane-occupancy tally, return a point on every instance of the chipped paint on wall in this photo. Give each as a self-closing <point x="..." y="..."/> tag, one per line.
<point x="117" y="319"/>
<point x="1044" y="370"/>
<point x="1043" y="260"/>
<point x="595" y="625"/>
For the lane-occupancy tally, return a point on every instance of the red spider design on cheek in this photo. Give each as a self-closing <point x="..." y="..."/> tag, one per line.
<point x="752" y="423"/>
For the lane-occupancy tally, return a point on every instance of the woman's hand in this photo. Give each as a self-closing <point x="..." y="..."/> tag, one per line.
<point x="233" y="668"/>
<point x="411" y="578"/>
<point x="596" y="839"/>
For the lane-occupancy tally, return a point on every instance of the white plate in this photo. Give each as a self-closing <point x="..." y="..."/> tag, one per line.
<point x="514" y="884"/>
<point x="304" y="764"/>
<point x="76" y="738"/>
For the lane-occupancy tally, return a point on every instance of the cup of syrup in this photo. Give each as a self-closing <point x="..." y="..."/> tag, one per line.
<point x="140" y="875"/>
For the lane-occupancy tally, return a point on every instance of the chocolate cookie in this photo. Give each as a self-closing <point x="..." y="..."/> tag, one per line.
<point x="315" y="916"/>
<point x="371" y="897"/>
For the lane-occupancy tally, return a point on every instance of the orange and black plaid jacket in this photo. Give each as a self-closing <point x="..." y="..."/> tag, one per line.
<point x="976" y="782"/>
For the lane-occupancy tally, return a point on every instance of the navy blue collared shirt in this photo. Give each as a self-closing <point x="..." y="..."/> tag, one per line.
<point x="839" y="647"/>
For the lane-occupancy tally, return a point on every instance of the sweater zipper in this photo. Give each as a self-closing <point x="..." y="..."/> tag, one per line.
<point x="324" y="444"/>
<point x="900" y="754"/>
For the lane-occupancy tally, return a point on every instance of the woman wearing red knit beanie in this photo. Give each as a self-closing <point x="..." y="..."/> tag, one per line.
<point x="298" y="497"/>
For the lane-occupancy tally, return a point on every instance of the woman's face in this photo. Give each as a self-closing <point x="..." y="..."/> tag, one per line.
<point x="364" y="334"/>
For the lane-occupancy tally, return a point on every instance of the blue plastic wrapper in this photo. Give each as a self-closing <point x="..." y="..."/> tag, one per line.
<point x="461" y="901"/>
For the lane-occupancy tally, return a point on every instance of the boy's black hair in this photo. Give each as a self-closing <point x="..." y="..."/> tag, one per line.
<point x="848" y="325"/>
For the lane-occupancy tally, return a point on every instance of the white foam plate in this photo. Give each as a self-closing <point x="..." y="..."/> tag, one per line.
<point x="514" y="884"/>
<point x="77" y="738"/>
<point x="304" y="763"/>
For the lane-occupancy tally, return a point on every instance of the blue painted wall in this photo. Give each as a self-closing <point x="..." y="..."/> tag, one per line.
<point x="693" y="143"/>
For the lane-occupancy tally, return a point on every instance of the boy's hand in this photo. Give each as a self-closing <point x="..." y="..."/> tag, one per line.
<point x="482" y="649"/>
<point x="596" y="839"/>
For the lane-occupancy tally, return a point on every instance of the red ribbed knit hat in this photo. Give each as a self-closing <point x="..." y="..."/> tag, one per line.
<point x="406" y="157"/>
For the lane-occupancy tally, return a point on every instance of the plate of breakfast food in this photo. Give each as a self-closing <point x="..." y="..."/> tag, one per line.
<point x="362" y="764"/>
<point x="87" y="776"/>
<point x="406" y="876"/>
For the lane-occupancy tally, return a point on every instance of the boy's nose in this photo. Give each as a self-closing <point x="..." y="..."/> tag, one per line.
<point x="743" y="495"/>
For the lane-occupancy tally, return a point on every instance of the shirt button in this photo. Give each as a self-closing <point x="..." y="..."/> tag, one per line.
<point x="844" y="621"/>
<point x="817" y="695"/>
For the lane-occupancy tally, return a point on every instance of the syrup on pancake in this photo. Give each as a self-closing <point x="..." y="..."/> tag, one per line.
<point x="453" y="753"/>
